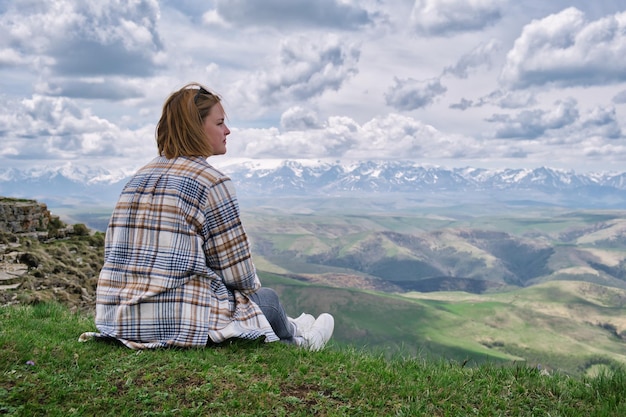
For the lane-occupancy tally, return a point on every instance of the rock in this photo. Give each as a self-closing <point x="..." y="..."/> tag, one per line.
<point x="23" y="216"/>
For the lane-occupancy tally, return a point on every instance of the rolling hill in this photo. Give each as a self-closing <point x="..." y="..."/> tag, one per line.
<point x="572" y="327"/>
<point x="448" y="252"/>
<point x="539" y="286"/>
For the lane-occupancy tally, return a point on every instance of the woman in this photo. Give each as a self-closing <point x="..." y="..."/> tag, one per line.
<point x="178" y="269"/>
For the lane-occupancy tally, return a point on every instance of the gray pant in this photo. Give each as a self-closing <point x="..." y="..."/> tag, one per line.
<point x="268" y="302"/>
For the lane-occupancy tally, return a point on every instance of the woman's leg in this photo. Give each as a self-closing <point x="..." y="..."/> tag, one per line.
<point x="269" y="303"/>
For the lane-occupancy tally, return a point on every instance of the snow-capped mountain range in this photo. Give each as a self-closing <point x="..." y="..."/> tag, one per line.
<point x="74" y="185"/>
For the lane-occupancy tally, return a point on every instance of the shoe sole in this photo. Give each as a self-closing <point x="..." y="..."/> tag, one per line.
<point x="323" y="328"/>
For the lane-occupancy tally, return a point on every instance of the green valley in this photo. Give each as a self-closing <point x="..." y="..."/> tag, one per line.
<point x="474" y="285"/>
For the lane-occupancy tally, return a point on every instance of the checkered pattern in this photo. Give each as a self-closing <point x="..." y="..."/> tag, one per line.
<point x="177" y="261"/>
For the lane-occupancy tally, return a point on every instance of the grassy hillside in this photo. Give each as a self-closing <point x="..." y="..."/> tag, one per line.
<point x="44" y="370"/>
<point x="574" y="327"/>
<point x="423" y="248"/>
<point x="447" y="251"/>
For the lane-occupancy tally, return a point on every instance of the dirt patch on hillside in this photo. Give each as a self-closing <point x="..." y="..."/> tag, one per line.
<point x="338" y="280"/>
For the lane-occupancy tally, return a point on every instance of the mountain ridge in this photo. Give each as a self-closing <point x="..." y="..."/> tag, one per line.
<point x="74" y="184"/>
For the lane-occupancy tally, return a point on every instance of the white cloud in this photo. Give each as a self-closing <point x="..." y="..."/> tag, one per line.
<point x="531" y="124"/>
<point x="67" y="39"/>
<point x="564" y="49"/>
<point x="505" y="99"/>
<point x="446" y="17"/>
<point x="111" y="88"/>
<point x="602" y="121"/>
<point x="620" y="98"/>
<point x="411" y="137"/>
<point x="294" y="13"/>
<point x="10" y="58"/>
<point x="85" y="81"/>
<point x="306" y="68"/>
<point x="298" y="118"/>
<point x="338" y="135"/>
<point x="477" y="57"/>
<point x="411" y="94"/>
<point x="56" y="128"/>
<point x="212" y="17"/>
<point x="342" y="137"/>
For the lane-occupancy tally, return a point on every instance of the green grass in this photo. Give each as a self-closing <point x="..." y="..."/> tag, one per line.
<point x="16" y="200"/>
<point x="557" y="325"/>
<point x="44" y="370"/>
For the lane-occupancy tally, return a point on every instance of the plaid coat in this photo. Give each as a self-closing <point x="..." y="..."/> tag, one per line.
<point x="177" y="265"/>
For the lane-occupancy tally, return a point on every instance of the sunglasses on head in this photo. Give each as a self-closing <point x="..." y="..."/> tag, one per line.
<point x="201" y="90"/>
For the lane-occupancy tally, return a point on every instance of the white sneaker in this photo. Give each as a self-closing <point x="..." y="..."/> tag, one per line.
<point x="316" y="337"/>
<point x="302" y="323"/>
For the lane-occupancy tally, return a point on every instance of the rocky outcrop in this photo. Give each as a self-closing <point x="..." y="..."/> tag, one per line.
<point x="11" y="272"/>
<point x="23" y="216"/>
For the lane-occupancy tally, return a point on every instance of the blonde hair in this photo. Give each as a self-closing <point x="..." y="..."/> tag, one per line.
<point x="180" y="131"/>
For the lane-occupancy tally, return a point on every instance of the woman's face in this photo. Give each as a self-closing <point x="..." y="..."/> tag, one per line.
<point x="216" y="130"/>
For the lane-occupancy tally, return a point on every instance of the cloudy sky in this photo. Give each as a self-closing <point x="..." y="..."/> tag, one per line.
<point x="483" y="83"/>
